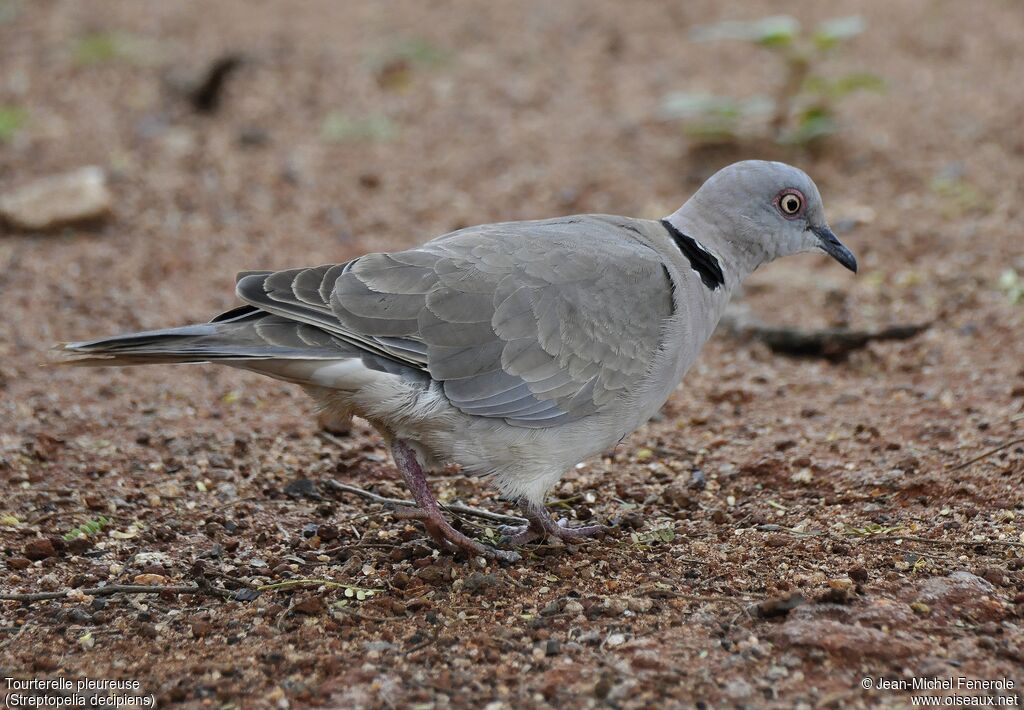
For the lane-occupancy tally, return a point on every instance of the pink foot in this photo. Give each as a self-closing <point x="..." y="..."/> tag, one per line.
<point x="429" y="513"/>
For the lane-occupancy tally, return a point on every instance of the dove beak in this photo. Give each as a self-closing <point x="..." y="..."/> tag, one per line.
<point x="831" y="245"/>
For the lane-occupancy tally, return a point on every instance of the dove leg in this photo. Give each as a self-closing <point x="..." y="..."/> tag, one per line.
<point x="428" y="511"/>
<point x="541" y="526"/>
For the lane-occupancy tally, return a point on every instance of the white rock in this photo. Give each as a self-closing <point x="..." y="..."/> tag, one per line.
<point x="739" y="689"/>
<point x="70" y="198"/>
<point x="151" y="558"/>
<point x="573" y="607"/>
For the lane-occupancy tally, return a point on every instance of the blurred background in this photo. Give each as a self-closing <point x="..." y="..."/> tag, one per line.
<point x="242" y="135"/>
<point x="150" y="150"/>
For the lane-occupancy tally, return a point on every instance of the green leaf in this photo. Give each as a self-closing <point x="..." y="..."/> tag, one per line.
<point x="418" y="51"/>
<point x="9" y="10"/>
<point x="844" y="85"/>
<point x="774" y="31"/>
<point x="959" y="195"/>
<point x="710" y="133"/>
<point x="710" y="118"/>
<point x="104" y="47"/>
<point x="86" y="529"/>
<point x="666" y="534"/>
<point x="689" y="105"/>
<point x="832" y="32"/>
<point x="341" y="127"/>
<point x="12" y="119"/>
<point x="813" y="124"/>
<point x="1011" y="282"/>
<point x="707" y="118"/>
<point x="857" y="81"/>
<point x="870" y="529"/>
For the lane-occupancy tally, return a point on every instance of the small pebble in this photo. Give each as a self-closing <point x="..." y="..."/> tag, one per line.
<point x="573" y="608"/>
<point x="39" y="548"/>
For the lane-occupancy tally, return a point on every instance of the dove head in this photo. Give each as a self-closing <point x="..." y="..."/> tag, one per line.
<point x="756" y="211"/>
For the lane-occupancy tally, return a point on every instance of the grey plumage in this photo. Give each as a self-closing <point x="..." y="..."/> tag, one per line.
<point x="513" y="320"/>
<point x="514" y="349"/>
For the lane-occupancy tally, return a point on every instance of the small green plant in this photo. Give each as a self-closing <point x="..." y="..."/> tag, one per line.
<point x="1011" y="282"/>
<point x="414" y="50"/>
<point x="9" y="10"/>
<point x="355" y="594"/>
<point x="105" y="47"/>
<point x="870" y="530"/>
<point x="648" y="537"/>
<point x="342" y="127"/>
<point x="86" y="529"/>
<point x="395" y="65"/>
<point x="716" y="119"/>
<point x="12" y="119"/>
<point x="803" y="107"/>
<point x="350" y="593"/>
<point x="959" y="196"/>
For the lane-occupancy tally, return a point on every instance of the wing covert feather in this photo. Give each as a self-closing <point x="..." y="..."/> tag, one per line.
<point x="537" y="323"/>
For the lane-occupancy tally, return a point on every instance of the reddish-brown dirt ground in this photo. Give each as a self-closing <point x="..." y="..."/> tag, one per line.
<point x="765" y="477"/>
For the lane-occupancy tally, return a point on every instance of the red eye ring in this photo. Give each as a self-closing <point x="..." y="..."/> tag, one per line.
<point x="790" y="202"/>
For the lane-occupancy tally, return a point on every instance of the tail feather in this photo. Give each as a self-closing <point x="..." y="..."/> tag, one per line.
<point x="250" y="339"/>
<point x="247" y="336"/>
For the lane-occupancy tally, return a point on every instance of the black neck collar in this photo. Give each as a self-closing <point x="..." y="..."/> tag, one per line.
<point x="701" y="261"/>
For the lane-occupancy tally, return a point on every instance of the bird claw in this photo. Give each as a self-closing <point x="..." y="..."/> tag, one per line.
<point x="441" y="532"/>
<point x="542" y="527"/>
<point x="539" y="528"/>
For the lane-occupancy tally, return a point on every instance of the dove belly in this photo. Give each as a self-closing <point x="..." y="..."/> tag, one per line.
<point x="347" y="374"/>
<point x="523" y="462"/>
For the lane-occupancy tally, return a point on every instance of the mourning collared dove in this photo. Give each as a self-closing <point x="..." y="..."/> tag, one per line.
<point x="515" y="350"/>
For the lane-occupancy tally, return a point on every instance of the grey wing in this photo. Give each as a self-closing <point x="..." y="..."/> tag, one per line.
<point x="536" y="323"/>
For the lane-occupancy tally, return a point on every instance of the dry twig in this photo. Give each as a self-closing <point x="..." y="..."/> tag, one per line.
<point x="456" y="508"/>
<point x="931" y="541"/>
<point x="116" y="589"/>
<point x="985" y="455"/>
<point x="886" y="538"/>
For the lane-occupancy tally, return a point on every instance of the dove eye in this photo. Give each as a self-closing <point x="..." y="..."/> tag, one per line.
<point x="790" y="203"/>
